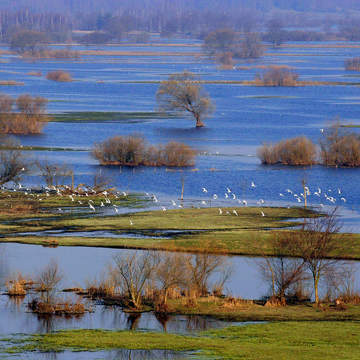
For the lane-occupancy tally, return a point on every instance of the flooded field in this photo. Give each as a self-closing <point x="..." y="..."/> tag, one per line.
<point x="245" y="117"/>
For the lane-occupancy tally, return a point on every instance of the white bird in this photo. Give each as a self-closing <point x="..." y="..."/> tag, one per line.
<point x="124" y="193"/>
<point x="339" y="191"/>
<point x="102" y="204"/>
<point x="228" y="190"/>
<point x="60" y="209"/>
<point x="203" y="202"/>
<point x="173" y="203"/>
<point x="116" y="210"/>
<point x="262" y="213"/>
<point x="91" y="207"/>
<point x="163" y="208"/>
<point x="298" y="199"/>
<point x="235" y="212"/>
<point x="204" y="190"/>
<point x="253" y="184"/>
<point x="215" y="196"/>
<point x="131" y="223"/>
<point x="71" y="197"/>
<point x="321" y="130"/>
<point x="80" y="202"/>
<point x="281" y="194"/>
<point x="316" y="193"/>
<point x="226" y="195"/>
<point x="220" y="211"/>
<point x="234" y="196"/>
<point x="107" y="200"/>
<point x="105" y="193"/>
<point x="343" y="199"/>
<point x="244" y="202"/>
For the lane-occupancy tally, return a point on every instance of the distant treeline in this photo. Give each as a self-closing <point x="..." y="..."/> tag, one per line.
<point x="58" y="18"/>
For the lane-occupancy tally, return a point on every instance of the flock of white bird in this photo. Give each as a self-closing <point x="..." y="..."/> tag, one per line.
<point x="79" y="195"/>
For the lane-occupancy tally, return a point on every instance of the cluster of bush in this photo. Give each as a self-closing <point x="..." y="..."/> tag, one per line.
<point x="28" y="116"/>
<point x="337" y="148"/>
<point x="133" y="150"/>
<point x="277" y="76"/>
<point x="59" y="75"/>
<point x="353" y="64"/>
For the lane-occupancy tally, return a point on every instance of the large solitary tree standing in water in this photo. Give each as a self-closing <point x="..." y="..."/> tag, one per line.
<point x="183" y="93"/>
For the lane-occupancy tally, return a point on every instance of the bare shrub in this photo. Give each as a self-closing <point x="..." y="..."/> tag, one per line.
<point x="296" y="151"/>
<point x="339" y="148"/>
<point x="59" y="75"/>
<point x="100" y="288"/>
<point x="134" y="151"/>
<point x="352" y="64"/>
<point x="277" y="76"/>
<point x="28" y="118"/>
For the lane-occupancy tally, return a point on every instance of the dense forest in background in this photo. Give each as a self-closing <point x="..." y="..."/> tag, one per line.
<point x="194" y="17"/>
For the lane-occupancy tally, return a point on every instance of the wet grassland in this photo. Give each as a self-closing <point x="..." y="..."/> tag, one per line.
<point x="295" y="340"/>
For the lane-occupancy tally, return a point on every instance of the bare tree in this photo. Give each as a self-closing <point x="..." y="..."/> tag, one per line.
<point x="171" y="272"/>
<point x="12" y="161"/>
<point x="316" y="243"/>
<point x="53" y="173"/>
<point x="183" y="93"/>
<point x="283" y="272"/>
<point x="131" y="273"/>
<point x="199" y="269"/>
<point x="49" y="279"/>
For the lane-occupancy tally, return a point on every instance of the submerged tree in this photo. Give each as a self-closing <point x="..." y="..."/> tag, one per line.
<point x="183" y="93"/>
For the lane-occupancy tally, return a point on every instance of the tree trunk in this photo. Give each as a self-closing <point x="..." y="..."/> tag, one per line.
<point x="316" y="288"/>
<point x="199" y="123"/>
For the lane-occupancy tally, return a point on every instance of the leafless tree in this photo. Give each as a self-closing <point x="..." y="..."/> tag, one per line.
<point x="49" y="279"/>
<point x="171" y="272"/>
<point x="316" y="243"/>
<point x="200" y="268"/>
<point x="53" y="173"/>
<point x="183" y="93"/>
<point x="282" y="271"/>
<point x="132" y="272"/>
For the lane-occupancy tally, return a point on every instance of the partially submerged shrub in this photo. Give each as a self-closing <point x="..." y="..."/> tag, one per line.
<point x="28" y="117"/>
<point x="353" y="64"/>
<point x="339" y="148"/>
<point x="277" y="76"/>
<point x="17" y="286"/>
<point x="296" y="151"/>
<point x="134" y="151"/>
<point x="59" y="75"/>
<point x="56" y="308"/>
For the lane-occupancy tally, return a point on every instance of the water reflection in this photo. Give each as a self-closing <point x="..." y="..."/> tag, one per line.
<point x="122" y="354"/>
